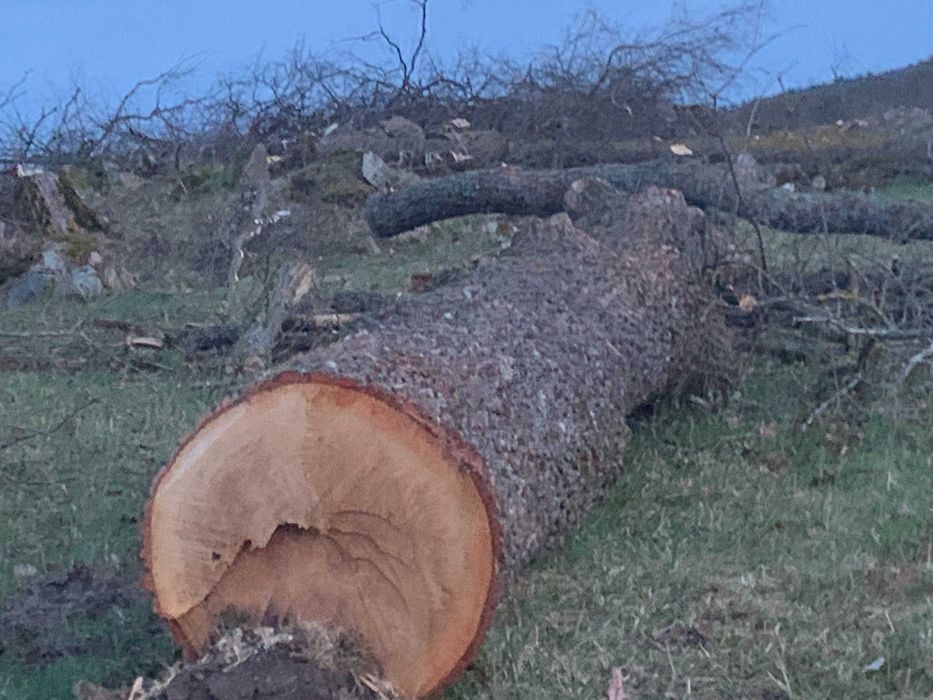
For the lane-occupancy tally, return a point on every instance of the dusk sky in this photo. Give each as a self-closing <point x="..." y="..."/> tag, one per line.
<point x="107" y="45"/>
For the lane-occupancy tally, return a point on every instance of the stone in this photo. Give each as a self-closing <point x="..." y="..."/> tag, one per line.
<point x="28" y="287"/>
<point x="82" y="283"/>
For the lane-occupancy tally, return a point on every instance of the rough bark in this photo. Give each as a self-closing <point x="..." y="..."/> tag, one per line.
<point x="540" y="193"/>
<point x="509" y="390"/>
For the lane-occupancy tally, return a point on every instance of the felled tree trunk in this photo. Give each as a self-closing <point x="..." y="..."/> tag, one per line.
<point x="392" y="482"/>
<point x="541" y="192"/>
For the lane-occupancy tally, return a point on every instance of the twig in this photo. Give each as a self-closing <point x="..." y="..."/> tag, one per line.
<point x="912" y="363"/>
<point x="42" y="334"/>
<point x="824" y="407"/>
<point x="880" y="333"/>
<point x="740" y="202"/>
<point x="49" y="431"/>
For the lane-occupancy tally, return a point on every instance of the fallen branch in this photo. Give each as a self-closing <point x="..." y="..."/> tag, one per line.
<point x="321" y="321"/>
<point x="42" y="334"/>
<point x="879" y="333"/>
<point x="293" y="282"/>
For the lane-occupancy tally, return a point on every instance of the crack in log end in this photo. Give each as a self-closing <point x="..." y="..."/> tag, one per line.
<point x="380" y="526"/>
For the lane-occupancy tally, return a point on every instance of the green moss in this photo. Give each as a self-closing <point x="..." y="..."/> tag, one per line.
<point x="334" y="179"/>
<point x="78" y="246"/>
<point x="204" y="179"/>
<point x="90" y="176"/>
<point x="346" y="193"/>
<point x="908" y="189"/>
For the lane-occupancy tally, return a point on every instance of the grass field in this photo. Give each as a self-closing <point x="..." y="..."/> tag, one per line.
<point x="738" y="557"/>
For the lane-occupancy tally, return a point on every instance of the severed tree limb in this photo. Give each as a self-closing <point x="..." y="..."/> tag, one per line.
<point x="293" y="282"/>
<point x="239" y="243"/>
<point x="881" y="333"/>
<point x="541" y="192"/>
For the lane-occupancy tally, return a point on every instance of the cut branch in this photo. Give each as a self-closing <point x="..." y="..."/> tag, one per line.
<point x="913" y="363"/>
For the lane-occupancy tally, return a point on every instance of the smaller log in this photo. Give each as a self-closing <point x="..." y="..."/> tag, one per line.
<point x="707" y="186"/>
<point x="255" y="181"/>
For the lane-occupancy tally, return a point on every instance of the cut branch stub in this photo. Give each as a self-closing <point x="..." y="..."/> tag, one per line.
<point x="390" y="535"/>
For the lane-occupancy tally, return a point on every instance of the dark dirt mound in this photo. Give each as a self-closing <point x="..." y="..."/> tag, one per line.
<point x="306" y="662"/>
<point x="61" y="613"/>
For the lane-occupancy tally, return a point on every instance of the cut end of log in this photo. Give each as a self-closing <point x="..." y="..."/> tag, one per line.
<point x="316" y="499"/>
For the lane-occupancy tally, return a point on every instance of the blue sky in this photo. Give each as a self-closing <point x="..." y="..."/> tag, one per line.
<point x="107" y="45"/>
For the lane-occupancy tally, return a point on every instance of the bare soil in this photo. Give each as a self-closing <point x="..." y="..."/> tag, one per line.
<point x="55" y="614"/>
<point x="280" y="673"/>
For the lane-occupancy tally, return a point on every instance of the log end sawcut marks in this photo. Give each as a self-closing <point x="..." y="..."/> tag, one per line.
<point x="316" y="499"/>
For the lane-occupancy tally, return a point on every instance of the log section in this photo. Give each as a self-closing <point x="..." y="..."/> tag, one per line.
<point x="541" y="192"/>
<point x="394" y="481"/>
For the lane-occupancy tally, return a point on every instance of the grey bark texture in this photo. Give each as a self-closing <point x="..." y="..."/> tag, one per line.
<point x="540" y="193"/>
<point x="537" y="360"/>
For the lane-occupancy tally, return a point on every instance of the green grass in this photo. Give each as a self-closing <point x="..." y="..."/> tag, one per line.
<point x="446" y="245"/>
<point x="125" y="648"/>
<point x="800" y="557"/>
<point x="74" y="494"/>
<point x="916" y="190"/>
<point x="161" y="309"/>
<point x="802" y="254"/>
<point x="737" y="557"/>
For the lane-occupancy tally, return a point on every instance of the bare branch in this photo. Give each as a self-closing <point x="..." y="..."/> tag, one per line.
<point x="913" y="363"/>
